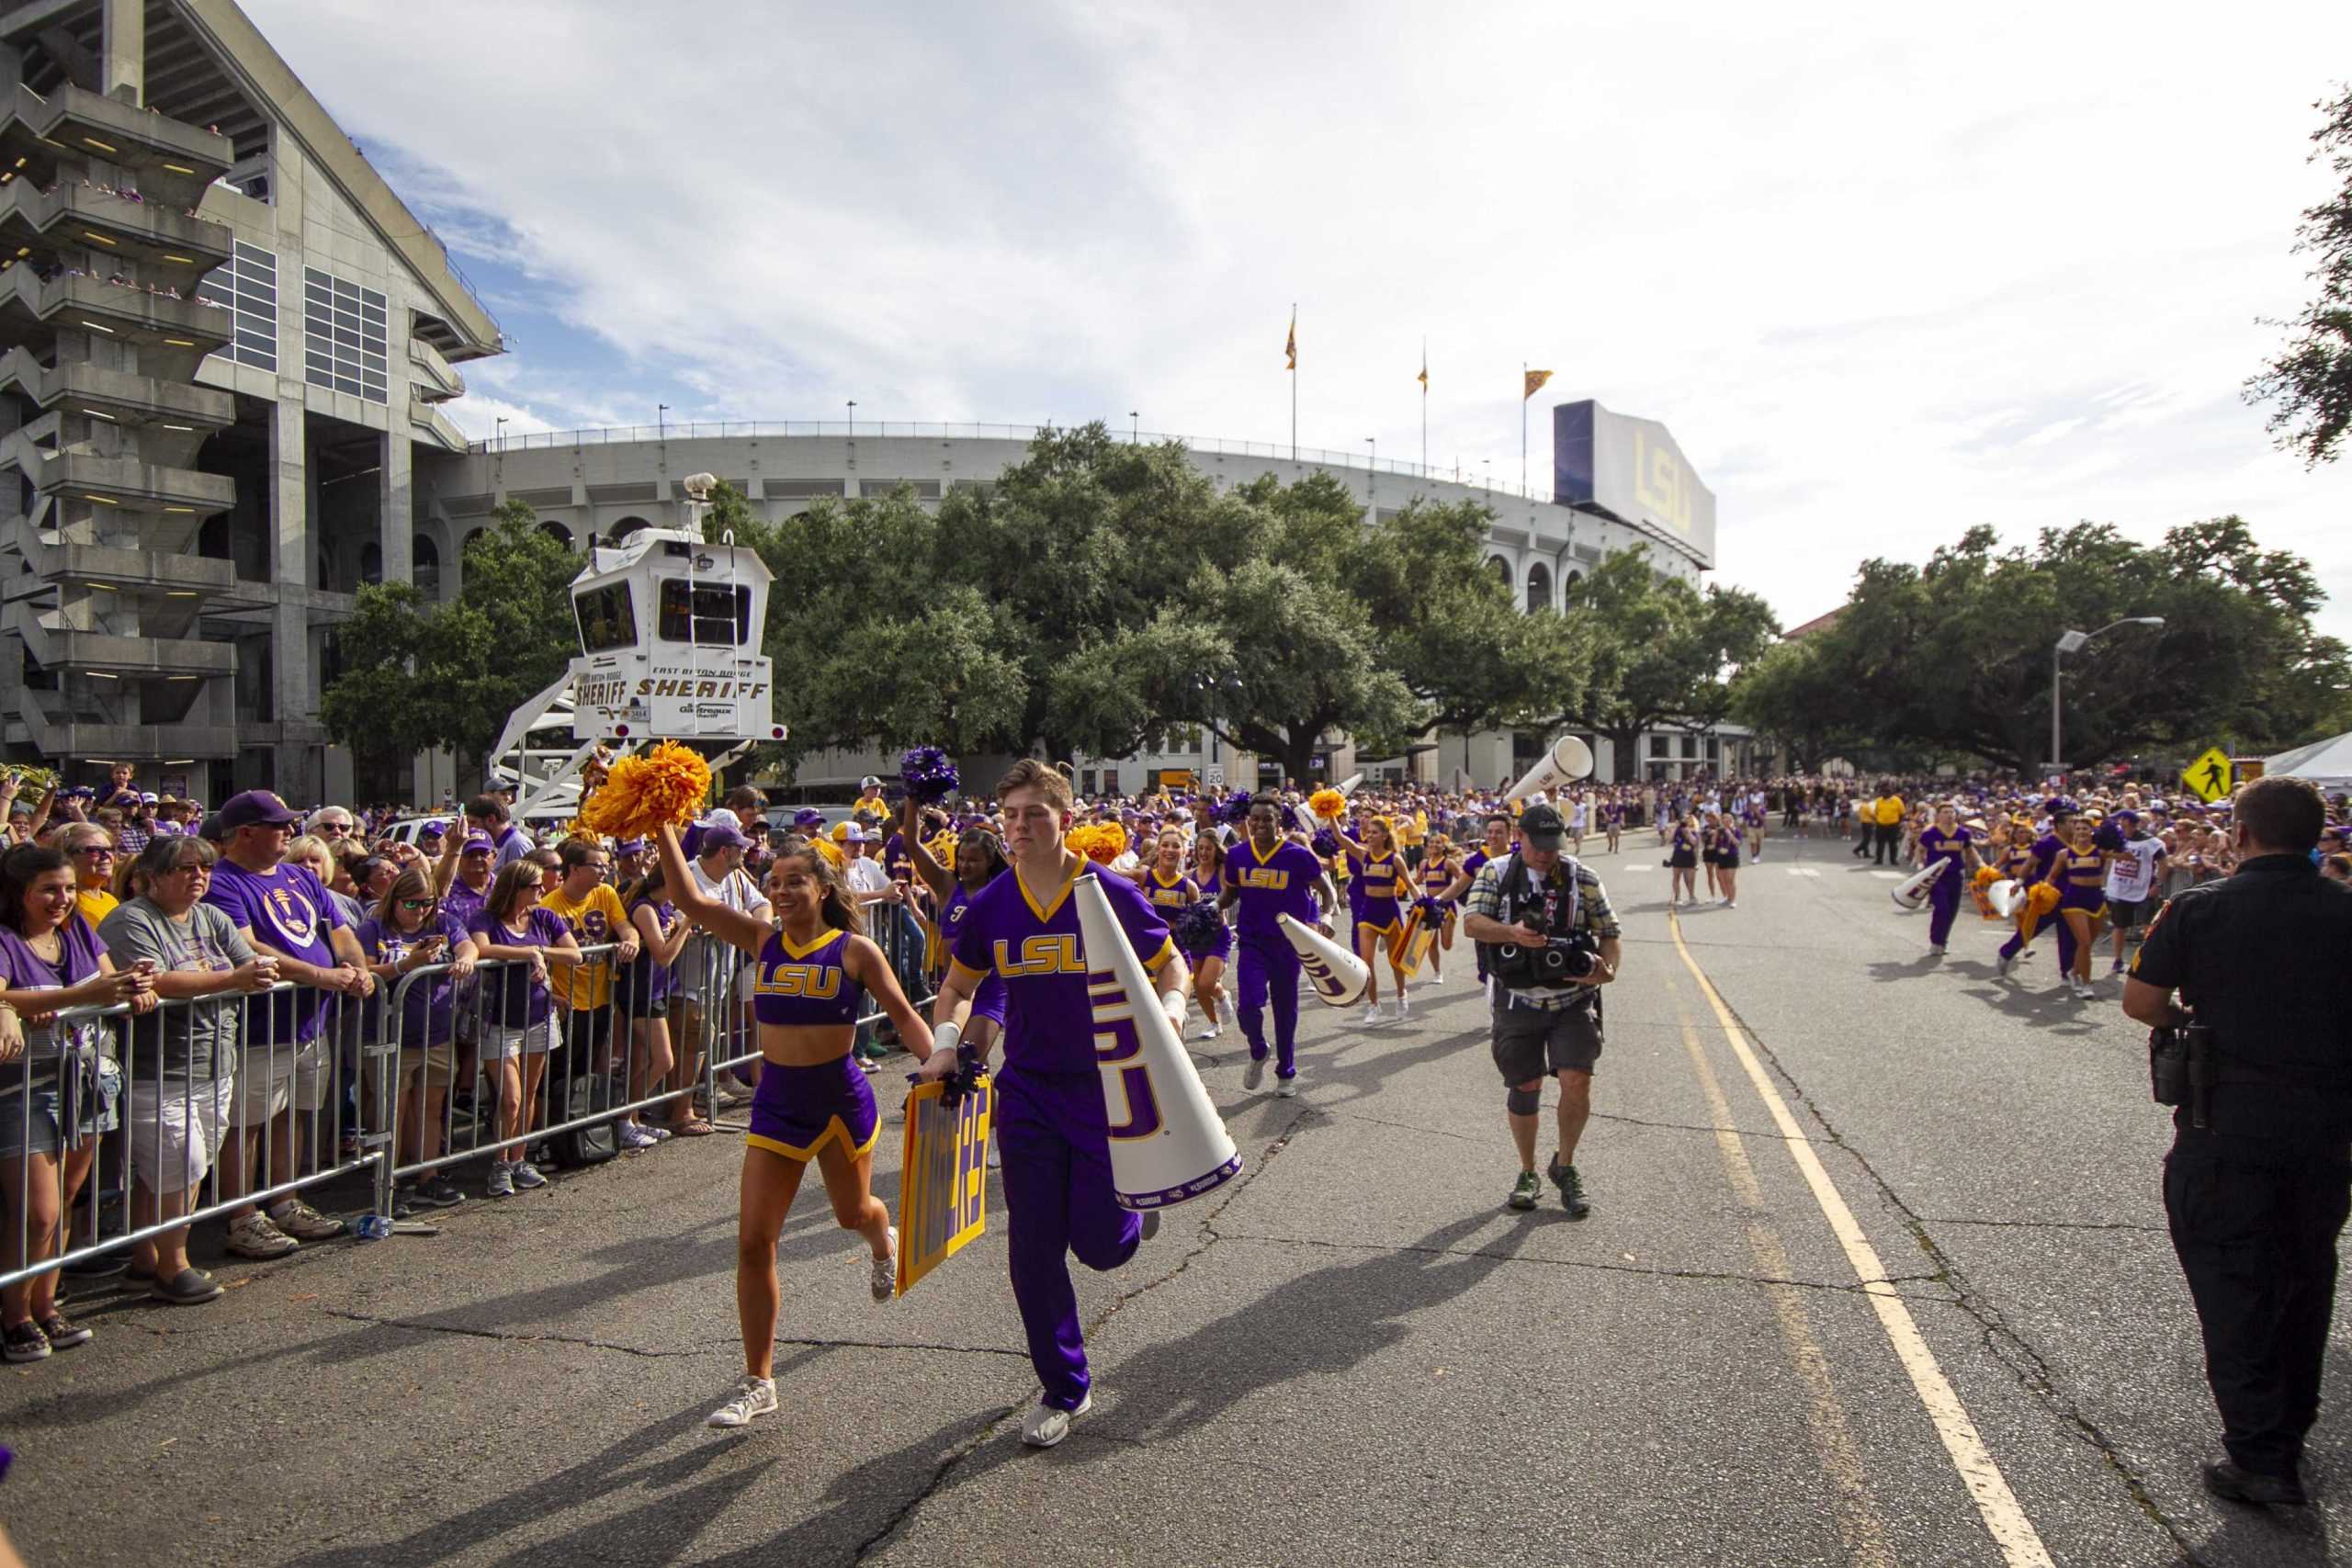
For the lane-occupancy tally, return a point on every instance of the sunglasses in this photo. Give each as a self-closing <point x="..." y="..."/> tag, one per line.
<point x="419" y="904"/>
<point x="338" y="829"/>
<point x="95" y="852"/>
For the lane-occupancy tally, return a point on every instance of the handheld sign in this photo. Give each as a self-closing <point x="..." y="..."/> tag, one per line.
<point x="943" y="1178"/>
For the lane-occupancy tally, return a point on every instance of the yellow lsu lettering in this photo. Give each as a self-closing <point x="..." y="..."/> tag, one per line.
<point x="1661" y="481"/>
<point x="821" y="982"/>
<point x="1259" y="876"/>
<point x="1044" y="955"/>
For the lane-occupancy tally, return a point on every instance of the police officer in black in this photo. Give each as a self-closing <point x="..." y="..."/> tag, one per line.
<point x="2257" y="1193"/>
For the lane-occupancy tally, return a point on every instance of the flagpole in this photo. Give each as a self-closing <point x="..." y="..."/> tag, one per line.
<point x="1524" y="398"/>
<point x="1293" y="384"/>
<point x="1425" y="407"/>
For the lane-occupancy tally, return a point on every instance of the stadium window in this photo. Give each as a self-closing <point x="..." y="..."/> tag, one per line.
<point x="343" y="340"/>
<point x="246" y="287"/>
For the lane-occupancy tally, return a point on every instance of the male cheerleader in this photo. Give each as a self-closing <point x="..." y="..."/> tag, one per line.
<point x="1052" y="1126"/>
<point x="2062" y="812"/>
<point x="1946" y="840"/>
<point x="1267" y="875"/>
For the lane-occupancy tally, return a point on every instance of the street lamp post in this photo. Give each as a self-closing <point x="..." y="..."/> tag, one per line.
<point x="853" y="418"/>
<point x="2074" y="642"/>
<point x="1371" y="471"/>
<point x="1134" y="436"/>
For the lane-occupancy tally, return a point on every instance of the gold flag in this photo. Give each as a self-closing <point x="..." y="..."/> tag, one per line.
<point x="1535" y="380"/>
<point x="1290" y="343"/>
<point x="1424" y="377"/>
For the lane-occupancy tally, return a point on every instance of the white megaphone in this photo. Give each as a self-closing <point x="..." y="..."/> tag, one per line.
<point x="1912" y="891"/>
<point x="1348" y="785"/>
<point x="1338" y="975"/>
<point x="1168" y="1144"/>
<point x="2006" y="896"/>
<point x="1569" y="760"/>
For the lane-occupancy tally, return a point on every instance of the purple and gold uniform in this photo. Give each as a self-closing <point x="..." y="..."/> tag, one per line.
<point x="796" y="1111"/>
<point x="989" y="1000"/>
<point x="2043" y="851"/>
<point x="1376" y="906"/>
<point x="1169" y="894"/>
<point x="1052" y="1125"/>
<point x="1943" y="897"/>
<point x="1281" y="882"/>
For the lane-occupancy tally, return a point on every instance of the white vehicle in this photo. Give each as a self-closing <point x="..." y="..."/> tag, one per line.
<point x="670" y="628"/>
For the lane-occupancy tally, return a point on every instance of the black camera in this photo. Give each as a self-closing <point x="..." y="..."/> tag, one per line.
<point x="1562" y="961"/>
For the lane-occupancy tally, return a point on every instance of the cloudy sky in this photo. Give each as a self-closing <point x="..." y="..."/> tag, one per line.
<point x="1883" y="277"/>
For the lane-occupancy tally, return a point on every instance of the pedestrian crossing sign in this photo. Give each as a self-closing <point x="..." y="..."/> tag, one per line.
<point x="2211" y="775"/>
<point x="942" y="1179"/>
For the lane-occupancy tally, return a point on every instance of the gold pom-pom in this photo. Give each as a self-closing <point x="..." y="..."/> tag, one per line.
<point x="668" y="783"/>
<point x="1326" y="804"/>
<point x="1102" y="842"/>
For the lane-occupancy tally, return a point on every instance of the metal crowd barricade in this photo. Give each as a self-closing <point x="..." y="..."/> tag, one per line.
<point x="289" y="1099"/>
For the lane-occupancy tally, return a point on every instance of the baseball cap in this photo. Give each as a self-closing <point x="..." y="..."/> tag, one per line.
<point x="147" y="797"/>
<point x="477" y="841"/>
<point x="721" y="836"/>
<point x="255" y="807"/>
<point x="630" y="847"/>
<point x="808" y="816"/>
<point x="869" y="781"/>
<point x="856" y="835"/>
<point x="1540" y="825"/>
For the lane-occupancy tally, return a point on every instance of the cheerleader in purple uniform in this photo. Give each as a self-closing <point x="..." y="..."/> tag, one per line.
<point x="1682" y="857"/>
<point x="1612" y="821"/>
<point x="1440" y="866"/>
<point x="1210" y="957"/>
<point x="1946" y="840"/>
<point x="1726" y="838"/>
<point x="2079" y="872"/>
<point x="1380" y="876"/>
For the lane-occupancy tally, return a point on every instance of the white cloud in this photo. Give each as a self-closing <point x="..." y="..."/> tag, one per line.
<point x="1886" y="274"/>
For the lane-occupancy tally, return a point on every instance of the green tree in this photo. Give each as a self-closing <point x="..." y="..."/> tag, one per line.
<point x="2311" y="379"/>
<point x="1663" y="653"/>
<point x="452" y="675"/>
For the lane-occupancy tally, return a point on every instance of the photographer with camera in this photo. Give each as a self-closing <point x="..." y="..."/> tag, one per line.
<point x="2258" y="1061"/>
<point x="1542" y="922"/>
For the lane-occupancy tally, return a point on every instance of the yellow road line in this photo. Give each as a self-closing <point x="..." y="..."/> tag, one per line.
<point x="2005" y="1518"/>
<point x="1833" y="1440"/>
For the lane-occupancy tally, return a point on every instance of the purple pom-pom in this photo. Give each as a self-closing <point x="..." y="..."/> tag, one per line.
<point x="1235" y="810"/>
<point x="1195" y="928"/>
<point x="929" y="774"/>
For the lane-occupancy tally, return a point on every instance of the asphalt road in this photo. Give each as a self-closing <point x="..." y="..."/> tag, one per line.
<point x="1877" y="1274"/>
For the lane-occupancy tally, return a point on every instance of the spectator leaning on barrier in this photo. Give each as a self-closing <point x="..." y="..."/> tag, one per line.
<point x="407" y="930"/>
<point x="703" y="967"/>
<point x="653" y="981"/>
<point x="589" y="907"/>
<point x="63" y="1092"/>
<point x="183" y="1063"/>
<point x="525" y="938"/>
<point x="283" y="909"/>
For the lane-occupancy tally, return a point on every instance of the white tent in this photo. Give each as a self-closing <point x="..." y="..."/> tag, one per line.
<point x="2327" y="763"/>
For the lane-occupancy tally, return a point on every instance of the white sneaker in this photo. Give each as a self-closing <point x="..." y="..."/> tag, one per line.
<point x="501" y="1180"/>
<point x="252" y="1235"/>
<point x="1937" y="948"/>
<point x="636" y="1137"/>
<point x="995" y="1160"/>
<point x="883" y="1277"/>
<point x="2003" y="966"/>
<point x="1254" y="1073"/>
<point x="1403" y="1005"/>
<point x="1372" y="1014"/>
<point x="1731" y="903"/>
<point x="299" y="1220"/>
<point x="752" y="1397"/>
<point x="1047" y="1426"/>
<point x="1287" y="1087"/>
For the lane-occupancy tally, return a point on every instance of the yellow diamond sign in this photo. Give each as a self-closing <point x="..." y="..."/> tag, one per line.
<point x="2211" y="775"/>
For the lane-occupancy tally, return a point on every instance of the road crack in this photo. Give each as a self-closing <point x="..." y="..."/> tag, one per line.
<point x="708" y="1347"/>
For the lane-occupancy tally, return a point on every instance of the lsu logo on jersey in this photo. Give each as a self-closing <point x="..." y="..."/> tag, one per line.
<point x="1043" y="954"/>
<point x="820" y="982"/>
<point x="1261" y="876"/>
<point x="293" y="916"/>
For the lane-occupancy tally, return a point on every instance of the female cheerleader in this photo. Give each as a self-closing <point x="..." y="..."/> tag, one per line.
<point x="1378" y="919"/>
<point x="1170" y="887"/>
<point x="1612" y="822"/>
<point x="1727" y="861"/>
<point x="1946" y="840"/>
<point x="1711" y="835"/>
<point x="813" y="969"/>
<point x="1754" y="815"/>
<point x="1440" y="866"/>
<point x="2079" y="872"/>
<point x="1208" y="965"/>
<point x="1682" y="855"/>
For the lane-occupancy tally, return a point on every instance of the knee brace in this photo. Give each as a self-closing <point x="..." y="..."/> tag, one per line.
<point x="1523" y="1101"/>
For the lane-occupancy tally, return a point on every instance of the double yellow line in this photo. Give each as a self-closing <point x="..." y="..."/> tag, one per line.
<point x="2005" y="1518"/>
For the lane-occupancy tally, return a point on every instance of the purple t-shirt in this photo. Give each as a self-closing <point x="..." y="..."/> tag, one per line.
<point x="287" y="910"/>
<point x="461" y="903"/>
<point x="426" y="1013"/>
<point x="22" y="969"/>
<point x="1283" y="883"/>
<point x="510" y="997"/>
<point x="1039" y="953"/>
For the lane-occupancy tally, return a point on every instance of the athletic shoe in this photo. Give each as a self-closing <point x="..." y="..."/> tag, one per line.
<point x="62" y="1335"/>
<point x="2116" y="967"/>
<point x="1571" y="1186"/>
<point x="437" y="1191"/>
<point x="633" y="1137"/>
<point x="995" y="1157"/>
<point x="1372" y="1014"/>
<point x="252" y="1235"/>
<point x="1403" y="1005"/>
<point x="1286" y="1086"/>
<point x="1254" y="1073"/>
<point x="1937" y="948"/>
<point x="1150" y="1225"/>
<point x="501" y="1180"/>
<point x="882" y="1277"/>
<point x="526" y="1176"/>
<point x="752" y="1397"/>
<point x="1527" y="1192"/>
<point x="189" y="1287"/>
<point x="302" y="1222"/>
<point x="2003" y="964"/>
<point x="25" y="1342"/>
<point x="1047" y="1426"/>
<point x="1731" y="903"/>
